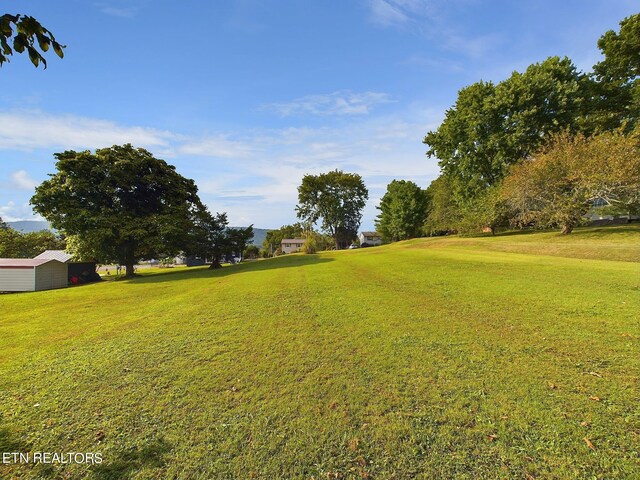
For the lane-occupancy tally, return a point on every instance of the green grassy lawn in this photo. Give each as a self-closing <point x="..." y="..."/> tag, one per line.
<point x="482" y="357"/>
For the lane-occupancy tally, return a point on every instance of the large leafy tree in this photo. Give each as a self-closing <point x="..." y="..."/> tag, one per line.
<point x="121" y="204"/>
<point x="338" y="199"/>
<point x="617" y="86"/>
<point x="494" y="126"/>
<point x="403" y="210"/>
<point x="559" y="185"/>
<point x="22" y="33"/>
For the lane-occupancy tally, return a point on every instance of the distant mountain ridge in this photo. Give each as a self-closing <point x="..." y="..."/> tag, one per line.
<point x="26" y="226"/>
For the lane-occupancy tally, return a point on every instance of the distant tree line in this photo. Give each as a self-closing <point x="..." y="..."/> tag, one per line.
<point x="542" y="147"/>
<point x="539" y="149"/>
<point x="15" y="244"/>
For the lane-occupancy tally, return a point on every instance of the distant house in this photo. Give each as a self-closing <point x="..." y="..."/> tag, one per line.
<point x="369" y="239"/>
<point x="31" y="275"/>
<point x="291" y="245"/>
<point x="83" y="272"/>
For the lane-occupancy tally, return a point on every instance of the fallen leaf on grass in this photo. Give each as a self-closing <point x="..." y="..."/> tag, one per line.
<point x="595" y="374"/>
<point x="595" y="399"/>
<point x="627" y="335"/>
<point x="589" y="444"/>
<point x="553" y="386"/>
<point x="585" y="424"/>
<point x="492" y="438"/>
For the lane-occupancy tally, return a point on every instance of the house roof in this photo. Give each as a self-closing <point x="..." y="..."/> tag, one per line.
<point x="371" y="234"/>
<point x="24" y="262"/>
<point x="59" y="255"/>
<point x="293" y="240"/>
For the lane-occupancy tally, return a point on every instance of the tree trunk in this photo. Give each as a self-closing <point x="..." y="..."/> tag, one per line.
<point x="567" y="229"/>
<point x="215" y="263"/>
<point x="130" y="269"/>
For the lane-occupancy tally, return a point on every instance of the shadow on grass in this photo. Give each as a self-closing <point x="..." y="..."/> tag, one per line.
<point x="577" y="232"/>
<point x="129" y="462"/>
<point x="253" y="266"/>
<point x="8" y="442"/>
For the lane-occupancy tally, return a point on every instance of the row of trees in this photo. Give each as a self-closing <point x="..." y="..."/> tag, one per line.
<point x="15" y="244"/>
<point x="123" y="205"/>
<point x="504" y="148"/>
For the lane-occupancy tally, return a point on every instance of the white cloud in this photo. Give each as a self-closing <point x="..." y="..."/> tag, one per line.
<point x="435" y="20"/>
<point x="12" y="212"/>
<point x="119" y="12"/>
<point x="252" y="175"/>
<point x="123" y="10"/>
<point x="21" y="179"/>
<point x="29" y="130"/>
<point x="342" y="102"/>
<point x="217" y="146"/>
<point x="387" y="13"/>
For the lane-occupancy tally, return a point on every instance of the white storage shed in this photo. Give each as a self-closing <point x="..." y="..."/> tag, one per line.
<point x="30" y="275"/>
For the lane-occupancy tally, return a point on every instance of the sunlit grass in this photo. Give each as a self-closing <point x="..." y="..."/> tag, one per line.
<point x="433" y="358"/>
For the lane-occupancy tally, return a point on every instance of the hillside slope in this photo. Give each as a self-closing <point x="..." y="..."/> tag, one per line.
<point x="433" y="358"/>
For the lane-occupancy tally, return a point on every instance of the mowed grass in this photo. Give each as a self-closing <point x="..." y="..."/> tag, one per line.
<point x="509" y="357"/>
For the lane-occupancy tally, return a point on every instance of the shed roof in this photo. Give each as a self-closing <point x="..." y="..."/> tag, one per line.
<point x="293" y="240"/>
<point x="24" y="262"/>
<point x="371" y="234"/>
<point x="59" y="255"/>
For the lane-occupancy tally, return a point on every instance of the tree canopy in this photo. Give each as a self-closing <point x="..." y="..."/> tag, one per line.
<point x="15" y="244"/>
<point x="20" y="33"/>
<point x="558" y="186"/>
<point x="403" y="210"/>
<point x="119" y="204"/>
<point x="492" y="127"/>
<point x="618" y="76"/>
<point x="338" y="199"/>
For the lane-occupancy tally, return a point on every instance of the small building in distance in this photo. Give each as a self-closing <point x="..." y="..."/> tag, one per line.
<point x="369" y="239"/>
<point x="291" y="245"/>
<point x="31" y="275"/>
<point x="82" y="272"/>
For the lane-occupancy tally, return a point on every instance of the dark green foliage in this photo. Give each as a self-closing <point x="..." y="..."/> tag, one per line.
<point x="492" y="127"/>
<point x="211" y="238"/>
<point x="403" y="210"/>
<point x="119" y="204"/>
<point x="14" y="244"/>
<point x="238" y="238"/>
<point x="617" y="77"/>
<point x="338" y="199"/>
<point x="252" y="251"/>
<point x="444" y="212"/>
<point x="208" y="237"/>
<point x="20" y="33"/>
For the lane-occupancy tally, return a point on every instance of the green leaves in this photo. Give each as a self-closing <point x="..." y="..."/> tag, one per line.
<point x="403" y="210"/>
<point x="25" y="33"/>
<point x="335" y="197"/>
<point x="123" y="203"/>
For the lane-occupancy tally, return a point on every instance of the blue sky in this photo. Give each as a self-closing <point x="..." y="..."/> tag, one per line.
<point x="247" y="96"/>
